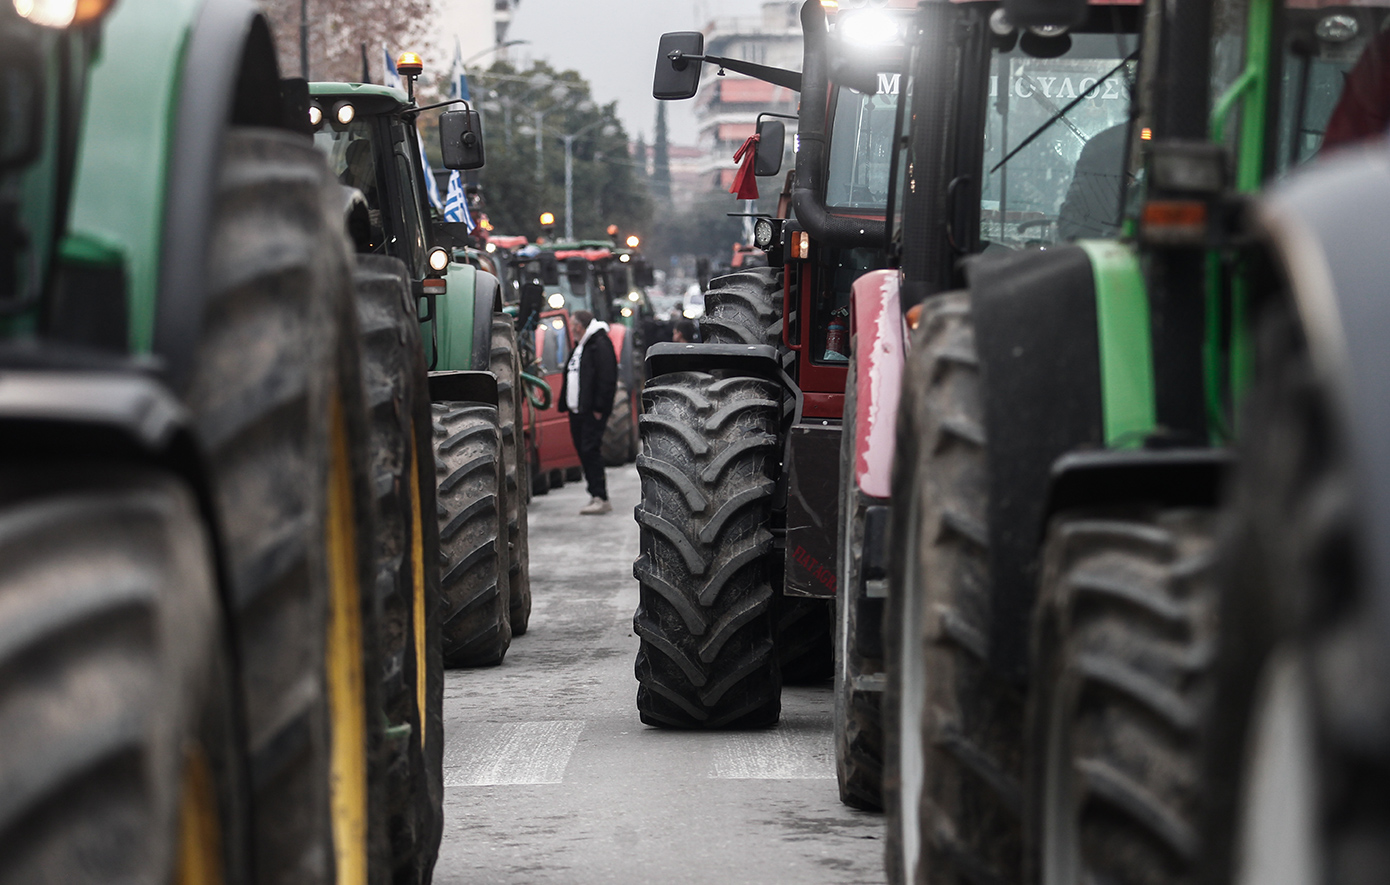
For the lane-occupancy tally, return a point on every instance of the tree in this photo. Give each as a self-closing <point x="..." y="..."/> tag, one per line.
<point x="661" y="158"/>
<point x="519" y="182"/>
<point x="338" y="28"/>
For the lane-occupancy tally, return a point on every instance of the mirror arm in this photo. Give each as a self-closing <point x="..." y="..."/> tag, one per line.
<point x="776" y="76"/>
<point x="411" y="112"/>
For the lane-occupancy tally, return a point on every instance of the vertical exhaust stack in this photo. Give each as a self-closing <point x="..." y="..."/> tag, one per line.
<point x="808" y="198"/>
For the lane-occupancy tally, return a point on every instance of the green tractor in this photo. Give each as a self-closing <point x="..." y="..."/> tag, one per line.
<point x="200" y="683"/>
<point x="469" y="344"/>
<point x="1053" y="620"/>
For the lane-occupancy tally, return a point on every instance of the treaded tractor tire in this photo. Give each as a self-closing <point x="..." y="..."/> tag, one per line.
<point x="953" y="766"/>
<point x="705" y="618"/>
<point x="1123" y="640"/>
<point x="1302" y="641"/>
<point x="505" y="363"/>
<point x="122" y="759"/>
<point x="278" y="406"/>
<point x="805" y="630"/>
<point x="406" y="550"/>
<point x="617" y="446"/>
<point x="858" y="711"/>
<point x="472" y="535"/>
<point x="744" y="308"/>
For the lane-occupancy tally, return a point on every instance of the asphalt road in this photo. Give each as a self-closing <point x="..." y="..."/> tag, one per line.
<point x="551" y="778"/>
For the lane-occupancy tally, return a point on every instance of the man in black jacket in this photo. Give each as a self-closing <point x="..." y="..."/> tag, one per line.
<point x="591" y="380"/>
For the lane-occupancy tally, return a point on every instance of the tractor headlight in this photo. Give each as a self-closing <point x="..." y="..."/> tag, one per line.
<point x="439" y="258"/>
<point x="869" y="27"/>
<point x="634" y="296"/>
<point x="556" y="300"/>
<point x="61" y="13"/>
<point x="627" y="311"/>
<point x="762" y="233"/>
<point x="315" y="116"/>
<point x="344" y="112"/>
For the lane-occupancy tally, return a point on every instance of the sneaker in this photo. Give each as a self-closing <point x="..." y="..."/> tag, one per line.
<point x="595" y="507"/>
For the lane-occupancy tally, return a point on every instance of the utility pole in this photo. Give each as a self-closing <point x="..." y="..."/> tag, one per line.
<point x="304" y="38"/>
<point x="540" y="150"/>
<point x="569" y="187"/>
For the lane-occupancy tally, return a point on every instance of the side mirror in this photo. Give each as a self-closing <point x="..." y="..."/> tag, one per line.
<point x="550" y="269"/>
<point x="531" y="304"/>
<point x="1034" y="13"/>
<point x="451" y="234"/>
<point x="677" y="74"/>
<point x="772" y="141"/>
<point x="642" y="274"/>
<point x="461" y="139"/>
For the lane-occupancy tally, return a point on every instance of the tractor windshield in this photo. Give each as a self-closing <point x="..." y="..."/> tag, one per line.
<point x="1055" y="141"/>
<point x="860" y="148"/>
<point x="361" y="156"/>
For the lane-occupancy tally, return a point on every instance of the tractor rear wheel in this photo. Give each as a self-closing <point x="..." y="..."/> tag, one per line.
<point x="858" y="707"/>
<point x="705" y="617"/>
<point x="953" y="767"/>
<point x="1299" y="763"/>
<point x="406" y="560"/>
<point x="1123" y="639"/>
<point x="505" y="363"/>
<point x="122" y="756"/>
<point x="476" y="620"/>
<point x="744" y="308"/>
<point x="618" y="432"/>
<point x="278" y="405"/>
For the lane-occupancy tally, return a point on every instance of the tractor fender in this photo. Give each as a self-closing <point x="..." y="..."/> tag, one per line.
<point x="1325" y="227"/>
<point x="463" y="319"/>
<point x="107" y="413"/>
<point x="1178" y="477"/>
<point x="879" y="355"/>
<point x="1036" y="339"/>
<point x="171" y="76"/>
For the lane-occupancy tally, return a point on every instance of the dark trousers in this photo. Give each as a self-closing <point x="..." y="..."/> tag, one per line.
<point x="587" y="433"/>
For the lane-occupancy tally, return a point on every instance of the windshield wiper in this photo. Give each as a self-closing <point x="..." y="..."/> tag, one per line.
<point x="1064" y="111"/>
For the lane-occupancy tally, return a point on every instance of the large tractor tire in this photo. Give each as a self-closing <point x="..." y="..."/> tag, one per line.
<point x="705" y="615"/>
<point x="858" y="706"/>
<point x="477" y="628"/>
<point x="1123" y="640"/>
<point x="619" y="433"/>
<point x="1301" y="741"/>
<point x="122" y="756"/>
<point x="953" y="764"/>
<point x="744" y="308"/>
<point x="406" y="561"/>
<point x="278" y="405"/>
<point x="505" y="363"/>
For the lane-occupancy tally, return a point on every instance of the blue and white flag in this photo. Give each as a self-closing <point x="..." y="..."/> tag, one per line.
<point x="431" y="186"/>
<point x="458" y="77"/>
<point x="392" y="76"/>
<point x="456" y="203"/>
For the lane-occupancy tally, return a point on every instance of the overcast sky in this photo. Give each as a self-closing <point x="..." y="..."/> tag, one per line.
<point x="613" y="44"/>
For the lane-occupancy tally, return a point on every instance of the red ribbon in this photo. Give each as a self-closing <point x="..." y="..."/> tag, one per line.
<point x="745" y="184"/>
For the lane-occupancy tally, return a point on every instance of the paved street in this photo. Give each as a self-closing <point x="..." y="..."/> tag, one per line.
<point x="551" y="778"/>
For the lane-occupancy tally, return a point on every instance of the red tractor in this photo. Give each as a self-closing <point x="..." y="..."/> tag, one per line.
<point x="740" y="455"/>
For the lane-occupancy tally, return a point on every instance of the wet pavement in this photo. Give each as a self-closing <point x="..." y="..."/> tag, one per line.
<point x="551" y="778"/>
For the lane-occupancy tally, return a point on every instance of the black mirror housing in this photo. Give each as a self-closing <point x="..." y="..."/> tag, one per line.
<point x="461" y="139"/>
<point x="643" y="274"/>
<point x="678" y="79"/>
<point x="772" y="142"/>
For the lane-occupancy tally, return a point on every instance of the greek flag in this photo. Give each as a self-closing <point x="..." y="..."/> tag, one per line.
<point x="431" y="186"/>
<point x="456" y="203"/>
<point x="458" y="77"/>
<point x="392" y="76"/>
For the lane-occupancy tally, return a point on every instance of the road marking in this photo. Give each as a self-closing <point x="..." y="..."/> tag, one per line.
<point x="781" y="754"/>
<point x="511" y="753"/>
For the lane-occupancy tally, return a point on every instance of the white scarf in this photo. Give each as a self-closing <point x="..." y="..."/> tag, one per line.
<point x="572" y="384"/>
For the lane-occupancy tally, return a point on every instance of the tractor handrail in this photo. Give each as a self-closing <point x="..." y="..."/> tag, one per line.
<point x="537" y="391"/>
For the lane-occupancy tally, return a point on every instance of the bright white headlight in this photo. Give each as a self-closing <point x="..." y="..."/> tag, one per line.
<point x="557" y="301"/>
<point x="869" y="27"/>
<point x="439" y="259"/>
